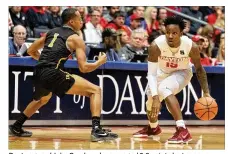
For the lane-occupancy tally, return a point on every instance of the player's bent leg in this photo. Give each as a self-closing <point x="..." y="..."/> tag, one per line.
<point x="83" y="87"/>
<point x="35" y="105"/>
<point x="16" y="128"/>
<point x="168" y="88"/>
<point x="86" y="88"/>
<point x="153" y="127"/>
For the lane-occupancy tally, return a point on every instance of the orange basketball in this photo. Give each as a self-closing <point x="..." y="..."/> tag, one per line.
<point x="206" y="108"/>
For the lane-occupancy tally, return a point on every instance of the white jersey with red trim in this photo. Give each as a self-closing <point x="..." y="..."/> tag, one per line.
<point x="173" y="59"/>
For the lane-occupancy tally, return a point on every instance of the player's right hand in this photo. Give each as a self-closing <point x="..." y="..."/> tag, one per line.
<point x="155" y="108"/>
<point x="102" y="58"/>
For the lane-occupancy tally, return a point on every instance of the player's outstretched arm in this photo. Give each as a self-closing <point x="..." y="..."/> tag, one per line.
<point x="200" y="72"/>
<point x="154" y="52"/>
<point x="33" y="49"/>
<point x="76" y="44"/>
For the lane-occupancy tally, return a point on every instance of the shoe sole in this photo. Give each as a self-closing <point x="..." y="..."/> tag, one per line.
<point x="145" y="136"/>
<point x="95" y="139"/>
<point x="178" y="142"/>
<point x="140" y="136"/>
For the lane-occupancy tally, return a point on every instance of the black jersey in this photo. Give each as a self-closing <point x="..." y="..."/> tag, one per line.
<point x="55" y="52"/>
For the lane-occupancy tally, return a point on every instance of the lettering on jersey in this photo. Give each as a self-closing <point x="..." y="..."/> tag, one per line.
<point x="174" y="59"/>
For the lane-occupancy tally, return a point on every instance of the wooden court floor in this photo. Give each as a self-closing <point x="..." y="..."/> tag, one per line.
<point x="53" y="138"/>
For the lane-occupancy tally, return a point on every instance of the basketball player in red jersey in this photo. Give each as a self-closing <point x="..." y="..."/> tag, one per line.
<point x="169" y="71"/>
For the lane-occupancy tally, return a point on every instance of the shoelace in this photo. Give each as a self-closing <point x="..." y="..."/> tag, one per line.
<point x="106" y="130"/>
<point x="176" y="134"/>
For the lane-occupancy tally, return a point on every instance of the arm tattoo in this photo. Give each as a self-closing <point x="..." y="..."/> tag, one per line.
<point x="202" y="78"/>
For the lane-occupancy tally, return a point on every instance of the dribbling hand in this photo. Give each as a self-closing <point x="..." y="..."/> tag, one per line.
<point x="207" y="95"/>
<point x="155" y="108"/>
<point x="102" y="58"/>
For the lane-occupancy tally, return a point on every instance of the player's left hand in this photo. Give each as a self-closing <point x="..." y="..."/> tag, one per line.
<point x="207" y="95"/>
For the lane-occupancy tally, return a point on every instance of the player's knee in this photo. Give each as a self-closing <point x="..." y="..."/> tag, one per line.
<point x="164" y="91"/>
<point x="44" y="100"/>
<point x="94" y="90"/>
<point x="97" y="89"/>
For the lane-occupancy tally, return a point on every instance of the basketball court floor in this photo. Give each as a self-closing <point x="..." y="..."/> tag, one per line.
<point x="76" y="138"/>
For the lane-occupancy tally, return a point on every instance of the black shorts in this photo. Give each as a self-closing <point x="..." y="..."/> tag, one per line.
<point x="49" y="79"/>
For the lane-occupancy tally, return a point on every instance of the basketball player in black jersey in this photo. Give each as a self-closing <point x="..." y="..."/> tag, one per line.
<point x="58" y="44"/>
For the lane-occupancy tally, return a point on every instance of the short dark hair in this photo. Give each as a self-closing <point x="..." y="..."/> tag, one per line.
<point x="175" y="20"/>
<point x="68" y="14"/>
<point x="108" y="32"/>
<point x="119" y="14"/>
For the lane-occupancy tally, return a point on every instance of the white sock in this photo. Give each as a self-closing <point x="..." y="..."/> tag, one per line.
<point x="180" y="123"/>
<point x="153" y="125"/>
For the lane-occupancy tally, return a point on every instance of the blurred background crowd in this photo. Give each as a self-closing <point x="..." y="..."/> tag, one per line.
<point x="123" y="32"/>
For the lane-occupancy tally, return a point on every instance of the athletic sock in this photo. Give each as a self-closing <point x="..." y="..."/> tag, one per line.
<point x="153" y="125"/>
<point x="180" y="123"/>
<point x="95" y="122"/>
<point x="20" y="121"/>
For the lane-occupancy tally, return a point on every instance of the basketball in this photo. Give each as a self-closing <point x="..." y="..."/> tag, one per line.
<point x="206" y="108"/>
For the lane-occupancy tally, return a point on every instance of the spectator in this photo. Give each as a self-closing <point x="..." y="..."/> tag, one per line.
<point x="206" y="50"/>
<point x="19" y="18"/>
<point x="19" y="36"/>
<point x="218" y="12"/>
<point x="25" y="9"/>
<point x="220" y="20"/>
<point x="206" y="10"/>
<point x="204" y="59"/>
<point x="187" y="26"/>
<point x="109" y="37"/>
<point x="193" y="11"/>
<point x="139" y="10"/>
<point x="103" y="21"/>
<point x="135" y="22"/>
<point x="122" y="39"/>
<point x="93" y="30"/>
<point x="175" y="8"/>
<point x="134" y="47"/>
<point x="151" y="19"/>
<point x="112" y="10"/>
<point x="208" y="32"/>
<point x="83" y="12"/>
<point x="55" y="15"/>
<point x="118" y="22"/>
<point x="162" y="14"/>
<point x="220" y="60"/>
<point x="39" y="18"/>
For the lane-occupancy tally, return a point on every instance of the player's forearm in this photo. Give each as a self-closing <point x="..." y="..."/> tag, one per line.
<point x="202" y="78"/>
<point x="89" y="67"/>
<point x="152" y="77"/>
<point x="34" y="54"/>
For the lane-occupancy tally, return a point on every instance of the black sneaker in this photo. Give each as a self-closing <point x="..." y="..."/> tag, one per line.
<point x="99" y="134"/>
<point x="19" y="133"/>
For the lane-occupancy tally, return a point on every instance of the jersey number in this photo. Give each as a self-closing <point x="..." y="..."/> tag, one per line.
<point x="171" y="65"/>
<point x="53" y="40"/>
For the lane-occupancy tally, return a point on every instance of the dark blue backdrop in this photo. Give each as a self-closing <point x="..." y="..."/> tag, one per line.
<point x="122" y="97"/>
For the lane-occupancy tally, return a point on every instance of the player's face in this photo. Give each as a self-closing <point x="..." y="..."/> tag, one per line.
<point x="77" y="22"/>
<point x="173" y="34"/>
